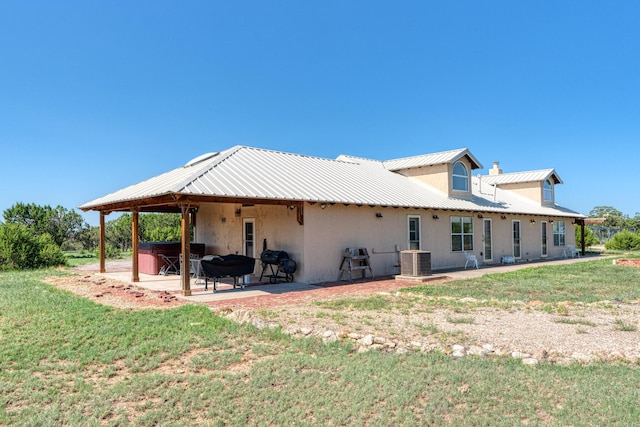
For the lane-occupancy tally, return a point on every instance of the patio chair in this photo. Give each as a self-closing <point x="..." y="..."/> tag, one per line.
<point x="573" y="252"/>
<point x="169" y="264"/>
<point x="470" y="259"/>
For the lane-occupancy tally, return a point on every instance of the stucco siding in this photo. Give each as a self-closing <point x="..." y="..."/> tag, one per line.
<point x="318" y="245"/>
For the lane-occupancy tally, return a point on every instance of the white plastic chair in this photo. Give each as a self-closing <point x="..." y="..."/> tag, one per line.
<point x="573" y="251"/>
<point x="470" y="259"/>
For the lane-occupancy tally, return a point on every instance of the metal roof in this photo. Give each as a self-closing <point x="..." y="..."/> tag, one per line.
<point x="432" y="159"/>
<point x="518" y="177"/>
<point x="254" y="173"/>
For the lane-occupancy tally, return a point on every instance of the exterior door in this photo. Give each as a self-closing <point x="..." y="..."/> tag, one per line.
<point x="543" y="236"/>
<point x="415" y="242"/>
<point x="488" y="244"/>
<point x="516" y="239"/>
<point x="248" y="237"/>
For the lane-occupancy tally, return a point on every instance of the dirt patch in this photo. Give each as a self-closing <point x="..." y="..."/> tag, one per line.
<point x="113" y="292"/>
<point x="633" y="262"/>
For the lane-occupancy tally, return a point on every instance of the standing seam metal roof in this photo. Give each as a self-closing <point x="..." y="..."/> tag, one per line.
<point x="245" y="172"/>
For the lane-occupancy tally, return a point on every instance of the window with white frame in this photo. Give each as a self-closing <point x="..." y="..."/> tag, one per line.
<point x="558" y="233"/>
<point x="414" y="232"/>
<point x="460" y="177"/>
<point x="461" y="233"/>
<point x="547" y="191"/>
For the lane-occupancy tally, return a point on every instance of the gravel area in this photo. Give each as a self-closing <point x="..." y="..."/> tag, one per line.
<point x="560" y="333"/>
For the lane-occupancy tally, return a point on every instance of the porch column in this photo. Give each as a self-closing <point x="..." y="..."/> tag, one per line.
<point x="102" y="243"/>
<point x="134" y="246"/>
<point x="185" y="267"/>
<point x="582" y="249"/>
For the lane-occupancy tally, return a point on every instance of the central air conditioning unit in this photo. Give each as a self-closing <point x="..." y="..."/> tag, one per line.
<point x="415" y="263"/>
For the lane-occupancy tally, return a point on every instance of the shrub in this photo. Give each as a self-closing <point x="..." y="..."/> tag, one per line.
<point x="589" y="238"/>
<point x="625" y="241"/>
<point x="110" y="252"/>
<point x="21" y="249"/>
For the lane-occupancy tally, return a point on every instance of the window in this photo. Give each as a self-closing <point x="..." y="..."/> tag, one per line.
<point x="414" y="232"/>
<point x="460" y="177"/>
<point x="547" y="191"/>
<point x="461" y="233"/>
<point x="558" y="233"/>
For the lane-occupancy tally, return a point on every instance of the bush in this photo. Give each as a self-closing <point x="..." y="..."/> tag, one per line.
<point x="110" y="252"/>
<point x="625" y="241"/>
<point x="589" y="238"/>
<point x="20" y="249"/>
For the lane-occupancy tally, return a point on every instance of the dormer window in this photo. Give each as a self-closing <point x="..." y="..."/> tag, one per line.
<point x="547" y="191"/>
<point x="460" y="177"/>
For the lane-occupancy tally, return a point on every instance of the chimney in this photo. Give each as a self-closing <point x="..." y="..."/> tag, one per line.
<point x="495" y="170"/>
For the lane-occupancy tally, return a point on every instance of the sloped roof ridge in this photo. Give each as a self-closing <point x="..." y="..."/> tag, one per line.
<point x="285" y="153"/>
<point x="527" y="176"/>
<point x="438" y="153"/>
<point x="523" y="172"/>
<point x="440" y="157"/>
<point x="360" y="161"/>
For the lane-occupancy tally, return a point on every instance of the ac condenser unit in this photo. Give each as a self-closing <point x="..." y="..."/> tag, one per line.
<point x="415" y="263"/>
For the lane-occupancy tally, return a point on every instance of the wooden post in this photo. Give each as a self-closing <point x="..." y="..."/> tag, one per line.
<point x="583" y="239"/>
<point x="102" y="243"/>
<point x="134" y="246"/>
<point x="185" y="267"/>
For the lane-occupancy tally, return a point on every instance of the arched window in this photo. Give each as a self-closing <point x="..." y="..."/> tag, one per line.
<point x="460" y="177"/>
<point x="547" y="191"/>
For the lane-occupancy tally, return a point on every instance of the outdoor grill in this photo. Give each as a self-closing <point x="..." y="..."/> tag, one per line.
<point x="277" y="262"/>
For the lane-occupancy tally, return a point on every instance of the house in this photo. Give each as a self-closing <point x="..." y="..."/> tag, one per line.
<point x="313" y="208"/>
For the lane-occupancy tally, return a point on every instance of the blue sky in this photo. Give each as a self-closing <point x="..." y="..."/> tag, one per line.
<point x="98" y="95"/>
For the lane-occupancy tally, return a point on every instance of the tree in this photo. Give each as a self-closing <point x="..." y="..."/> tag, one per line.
<point x="153" y="227"/>
<point x="613" y="217"/>
<point x="62" y="225"/>
<point x="117" y="232"/>
<point x="163" y="227"/>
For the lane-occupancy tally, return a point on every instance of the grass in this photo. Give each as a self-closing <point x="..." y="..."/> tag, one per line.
<point x="586" y="282"/>
<point x="576" y="322"/>
<point x="67" y="361"/>
<point x="626" y="326"/>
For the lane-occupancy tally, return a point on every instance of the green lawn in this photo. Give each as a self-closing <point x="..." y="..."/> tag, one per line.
<point x="67" y="361"/>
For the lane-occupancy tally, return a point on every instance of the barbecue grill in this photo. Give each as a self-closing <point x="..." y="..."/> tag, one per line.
<point x="226" y="266"/>
<point x="279" y="264"/>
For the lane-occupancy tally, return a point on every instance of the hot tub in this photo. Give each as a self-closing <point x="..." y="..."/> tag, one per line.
<point x="150" y="263"/>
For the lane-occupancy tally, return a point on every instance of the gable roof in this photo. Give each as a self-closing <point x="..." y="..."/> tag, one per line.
<point x="246" y="174"/>
<point x="519" y="177"/>
<point x="442" y="157"/>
